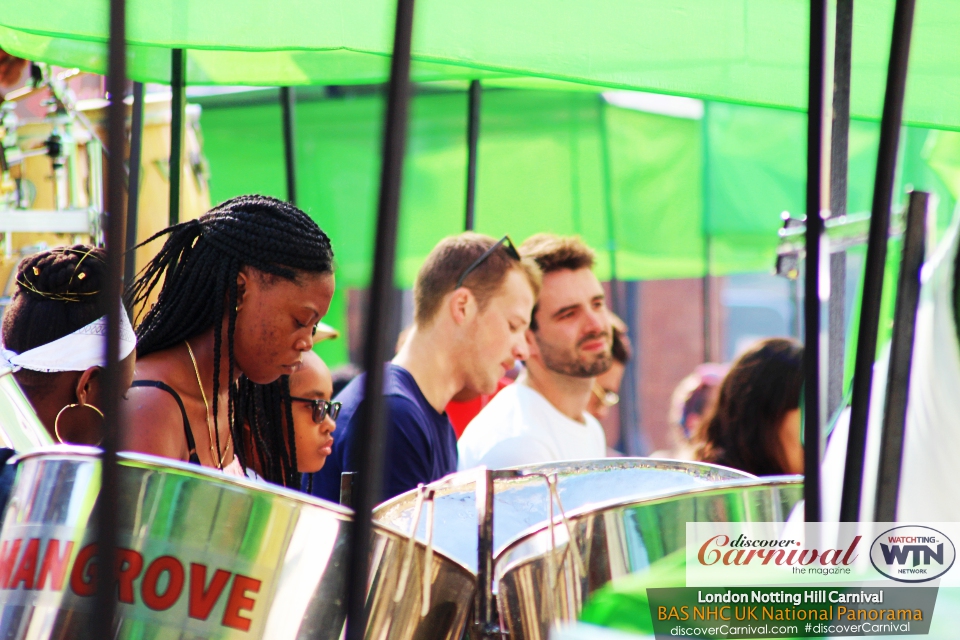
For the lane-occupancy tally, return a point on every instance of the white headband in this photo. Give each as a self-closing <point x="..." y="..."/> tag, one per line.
<point x="84" y="348"/>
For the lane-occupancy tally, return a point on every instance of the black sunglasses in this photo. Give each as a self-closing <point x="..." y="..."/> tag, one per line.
<point x="321" y="408"/>
<point x="507" y="244"/>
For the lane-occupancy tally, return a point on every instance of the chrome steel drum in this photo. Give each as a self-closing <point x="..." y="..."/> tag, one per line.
<point x="20" y="429"/>
<point x="202" y="555"/>
<point x="616" y="539"/>
<point x="520" y="504"/>
<point x="429" y="601"/>
<point x="523" y="503"/>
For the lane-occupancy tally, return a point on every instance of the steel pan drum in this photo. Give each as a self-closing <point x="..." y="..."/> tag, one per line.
<point x="201" y="555"/>
<point x="520" y="504"/>
<point x="523" y="503"/>
<point x="616" y="539"/>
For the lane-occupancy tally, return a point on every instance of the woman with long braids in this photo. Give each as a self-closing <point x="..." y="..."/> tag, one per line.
<point x="242" y="288"/>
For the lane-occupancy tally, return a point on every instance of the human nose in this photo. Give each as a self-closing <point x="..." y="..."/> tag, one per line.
<point x="303" y="343"/>
<point x="521" y="351"/>
<point x="598" y="321"/>
<point x="328" y="425"/>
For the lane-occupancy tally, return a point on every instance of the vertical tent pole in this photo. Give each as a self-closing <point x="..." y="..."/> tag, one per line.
<point x="901" y="359"/>
<point x="369" y="460"/>
<point x="839" y="134"/>
<point x="178" y="108"/>
<point x="815" y="202"/>
<point x="133" y="195"/>
<point x="876" y="259"/>
<point x="705" y="181"/>
<point x="608" y="208"/>
<point x="473" y="136"/>
<point x="288" y="102"/>
<point x="106" y="509"/>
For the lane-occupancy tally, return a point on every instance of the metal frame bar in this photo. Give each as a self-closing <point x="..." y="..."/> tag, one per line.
<point x="901" y="359"/>
<point x="839" y="152"/>
<point x="706" y="288"/>
<point x="876" y="259"/>
<point x="106" y="510"/>
<point x="815" y="201"/>
<point x="473" y="136"/>
<point x="369" y="462"/>
<point x="178" y="108"/>
<point x="133" y="195"/>
<point x="288" y="103"/>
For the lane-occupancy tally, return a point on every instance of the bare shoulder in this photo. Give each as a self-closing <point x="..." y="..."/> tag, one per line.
<point x="153" y="423"/>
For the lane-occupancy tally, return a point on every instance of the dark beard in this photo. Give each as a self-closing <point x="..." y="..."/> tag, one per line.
<point x="560" y="363"/>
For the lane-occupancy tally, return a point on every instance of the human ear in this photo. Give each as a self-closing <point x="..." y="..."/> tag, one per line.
<point x="461" y="304"/>
<point x="241" y="288"/>
<point x="88" y="387"/>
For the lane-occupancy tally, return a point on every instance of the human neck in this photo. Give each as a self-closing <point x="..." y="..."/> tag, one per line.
<point x="428" y="358"/>
<point x="202" y="347"/>
<point x="569" y="395"/>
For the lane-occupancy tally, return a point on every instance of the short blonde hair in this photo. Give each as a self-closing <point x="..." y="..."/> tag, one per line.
<point x="450" y="258"/>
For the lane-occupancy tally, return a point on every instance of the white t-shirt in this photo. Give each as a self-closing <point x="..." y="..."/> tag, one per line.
<point x="520" y="426"/>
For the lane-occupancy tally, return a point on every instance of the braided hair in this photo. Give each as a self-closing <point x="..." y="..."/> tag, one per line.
<point x="199" y="263"/>
<point x="263" y="410"/>
<point x="58" y="292"/>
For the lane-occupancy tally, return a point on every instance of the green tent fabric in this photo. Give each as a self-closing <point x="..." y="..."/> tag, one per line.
<point x="647" y="190"/>
<point x="743" y="51"/>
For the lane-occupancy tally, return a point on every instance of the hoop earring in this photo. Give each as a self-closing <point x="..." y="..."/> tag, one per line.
<point x="56" y="422"/>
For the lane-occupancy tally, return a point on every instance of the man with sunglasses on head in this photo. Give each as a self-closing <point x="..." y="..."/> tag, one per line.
<point x="543" y="416"/>
<point x="473" y="299"/>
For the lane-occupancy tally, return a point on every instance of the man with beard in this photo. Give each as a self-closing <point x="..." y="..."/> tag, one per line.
<point x="543" y="416"/>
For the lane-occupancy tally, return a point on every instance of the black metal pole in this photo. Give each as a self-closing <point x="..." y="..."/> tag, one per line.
<point x="133" y="195"/>
<point x="178" y="113"/>
<point x="473" y="136"/>
<point x="608" y="208"/>
<point x="901" y="359"/>
<point x="816" y="129"/>
<point x="876" y="259"/>
<point x="288" y="102"/>
<point x="707" y="255"/>
<point x="839" y="151"/>
<point x="369" y="462"/>
<point x="106" y="510"/>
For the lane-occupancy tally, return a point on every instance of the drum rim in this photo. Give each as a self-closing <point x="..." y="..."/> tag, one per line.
<point x="132" y="458"/>
<point x="784" y="481"/>
<point x="388" y="506"/>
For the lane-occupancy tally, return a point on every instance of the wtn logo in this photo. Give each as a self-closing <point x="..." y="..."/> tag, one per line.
<point x="900" y="552"/>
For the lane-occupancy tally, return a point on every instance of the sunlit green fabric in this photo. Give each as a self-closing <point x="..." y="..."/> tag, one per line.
<point x="744" y="51"/>
<point x="653" y="188"/>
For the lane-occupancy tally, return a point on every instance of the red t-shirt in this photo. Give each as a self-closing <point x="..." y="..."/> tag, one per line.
<point x="461" y="413"/>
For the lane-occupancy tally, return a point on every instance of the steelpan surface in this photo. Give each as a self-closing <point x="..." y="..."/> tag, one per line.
<point x="202" y="555"/>
<point x="20" y="429"/>
<point x="616" y="539"/>
<point x="522" y="503"/>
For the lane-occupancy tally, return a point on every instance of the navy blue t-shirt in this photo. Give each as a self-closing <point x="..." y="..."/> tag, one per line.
<point x="421" y="445"/>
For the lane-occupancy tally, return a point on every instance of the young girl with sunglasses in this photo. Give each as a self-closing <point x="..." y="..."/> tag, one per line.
<point x="286" y="427"/>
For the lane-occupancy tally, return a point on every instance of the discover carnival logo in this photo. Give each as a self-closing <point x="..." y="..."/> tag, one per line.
<point x="912" y="553"/>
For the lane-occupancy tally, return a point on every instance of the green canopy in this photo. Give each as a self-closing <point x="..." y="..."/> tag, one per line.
<point x="742" y="51"/>
<point x="651" y="188"/>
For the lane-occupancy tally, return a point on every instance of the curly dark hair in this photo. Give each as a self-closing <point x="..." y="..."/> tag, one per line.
<point x="198" y="266"/>
<point x="761" y="387"/>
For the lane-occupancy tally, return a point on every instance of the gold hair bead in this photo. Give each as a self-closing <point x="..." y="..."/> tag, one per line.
<point x="36" y="271"/>
<point x="81" y="276"/>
